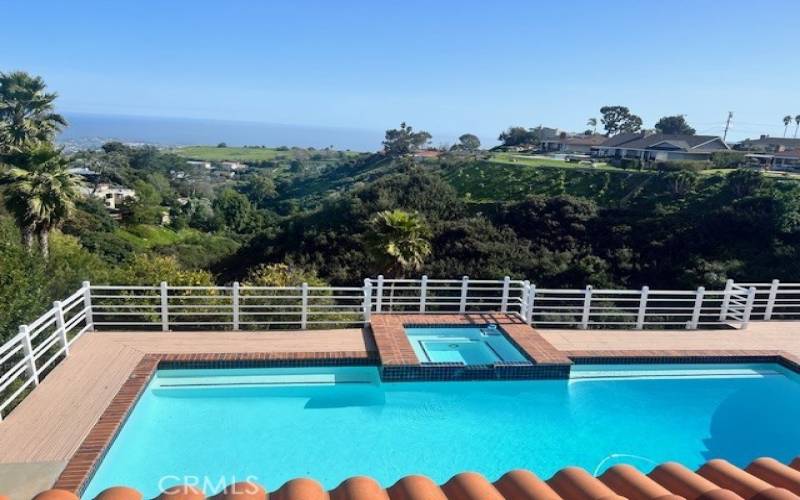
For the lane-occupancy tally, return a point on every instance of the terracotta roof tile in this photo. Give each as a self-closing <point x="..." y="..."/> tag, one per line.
<point x="470" y="486"/>
<point x="119" y="493"/>
<point x="776" y="473"/>
<point x="632" y="484"/>
<point x="764" y="479"/>
<point x="415" y="488"/>
<point x="523" y="484"/>
<point x="574" y="482"/>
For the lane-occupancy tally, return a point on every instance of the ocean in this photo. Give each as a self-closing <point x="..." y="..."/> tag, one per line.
<point x="92" y="130"/>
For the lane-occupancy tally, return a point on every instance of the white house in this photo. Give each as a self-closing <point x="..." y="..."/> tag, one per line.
<point x="204" y="164"/>
<point x="233" y="165"/>
<point x="112" y="196"/>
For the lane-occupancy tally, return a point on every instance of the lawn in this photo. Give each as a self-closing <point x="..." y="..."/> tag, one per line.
<point x="212" y="153"/>
<point x="543" y="161"/>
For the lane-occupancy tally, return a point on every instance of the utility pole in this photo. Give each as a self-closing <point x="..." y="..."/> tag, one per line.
<point x="727" y="125"/>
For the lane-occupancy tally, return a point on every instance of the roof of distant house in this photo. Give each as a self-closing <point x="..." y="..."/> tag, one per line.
<point x="647" y="141"/>
<point x="766" y="140"/>
<point x="789" y="153"/>
<point x="428" y="153"/>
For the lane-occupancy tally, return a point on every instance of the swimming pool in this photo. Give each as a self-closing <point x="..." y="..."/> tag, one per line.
<point x="271" y="425"/>
<point x="471" y="345"/>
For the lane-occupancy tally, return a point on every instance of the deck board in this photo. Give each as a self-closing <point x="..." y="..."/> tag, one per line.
<point x="759" y="335"/>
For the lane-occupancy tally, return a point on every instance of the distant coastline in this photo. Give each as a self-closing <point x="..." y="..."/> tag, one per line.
<point x="91" y="130"/>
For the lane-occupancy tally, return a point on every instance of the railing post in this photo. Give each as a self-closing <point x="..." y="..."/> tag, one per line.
<point x="748" y="308"/>
<point x="531" y="298"/>
<point x="462" y="305"/>
<point x="523" y="306"/>
<point x="587" y="307"/>
<point x="773" y="294"/>
<point x="87" y="305"/>
<point x="423" y="293"/>
<point x="367" y="306"/>
<point x="235" y="300"/>
<point x="698" y="306"/>
<point x="641" y="316"/>
<point x="379" y="294"/>
<point x="164" y="307"/>
<point x="59" y="311"/>
<point x="726" y="300"/>
<point x="303" y="306"/>
<point x="27" y="350"/>
<point x="504" y="299"/>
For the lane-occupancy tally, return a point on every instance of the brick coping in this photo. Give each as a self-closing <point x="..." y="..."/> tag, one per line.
<point x="394" y="349"/>
<point x="84" y="462"/>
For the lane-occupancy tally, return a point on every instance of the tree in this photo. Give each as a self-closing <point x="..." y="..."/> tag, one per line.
<point x="26" y="111"/>
<point x="617" y="119"/>
<point x="674" y="125"/>
<point x="402" y="141"/>
<point x="236" y="211"/>
<point x="592" y="122"/>
<point x="260" y="189"/>
<point x="469" y="142"/>
<point x="399" y="241"/>
<point x="519" y="136"/>
<point x="786" y="121"/>
<point x="41" y="192"/>
<point x="796" y="125"/>
<point x="222" y="145"/>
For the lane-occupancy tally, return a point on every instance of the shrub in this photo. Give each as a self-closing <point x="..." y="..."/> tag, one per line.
<point x="728" y="159"/>
<point x="629" y="163"/>
<point x="681" y="165"/>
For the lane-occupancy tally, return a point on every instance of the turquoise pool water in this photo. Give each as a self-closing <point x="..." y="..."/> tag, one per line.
<point x="271" y="425"/>
<point x="468" y="345"/>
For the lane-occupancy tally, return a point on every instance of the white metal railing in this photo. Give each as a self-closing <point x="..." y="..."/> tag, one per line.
<point x="775" y="300"/>
<point x="582" y="308"/>
<point x="39" y="345"/>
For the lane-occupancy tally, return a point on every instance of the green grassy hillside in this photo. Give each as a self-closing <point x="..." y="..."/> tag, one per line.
<point x="500" y="180"/>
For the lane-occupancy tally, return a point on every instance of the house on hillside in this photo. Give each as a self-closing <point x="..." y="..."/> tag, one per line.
<point x="573" y="144"/>
<point x="427" y="154"/>
<point x="233" y="166"/>
<point x="654" y="146"/>
<point x="203" y="164"/>
<point x="767" y="144"/>
<point x="112" y="196"/>
<point x="783" y="161"/>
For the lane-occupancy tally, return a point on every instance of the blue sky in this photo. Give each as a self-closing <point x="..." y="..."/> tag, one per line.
<point x="448" y="67"/>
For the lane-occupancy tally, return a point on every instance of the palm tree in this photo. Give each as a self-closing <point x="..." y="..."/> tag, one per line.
<point x="40" y="192"/>
<point x="786" y="121"/>
<point x="399" y="241"/>
<point x="796" y="125"/>
<point x="26" y="111"/>
<point x="592" y="123"/>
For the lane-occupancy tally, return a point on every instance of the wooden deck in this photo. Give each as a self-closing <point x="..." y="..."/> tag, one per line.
<point x="759" y="335"/>
<point x="50" y="424"/>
